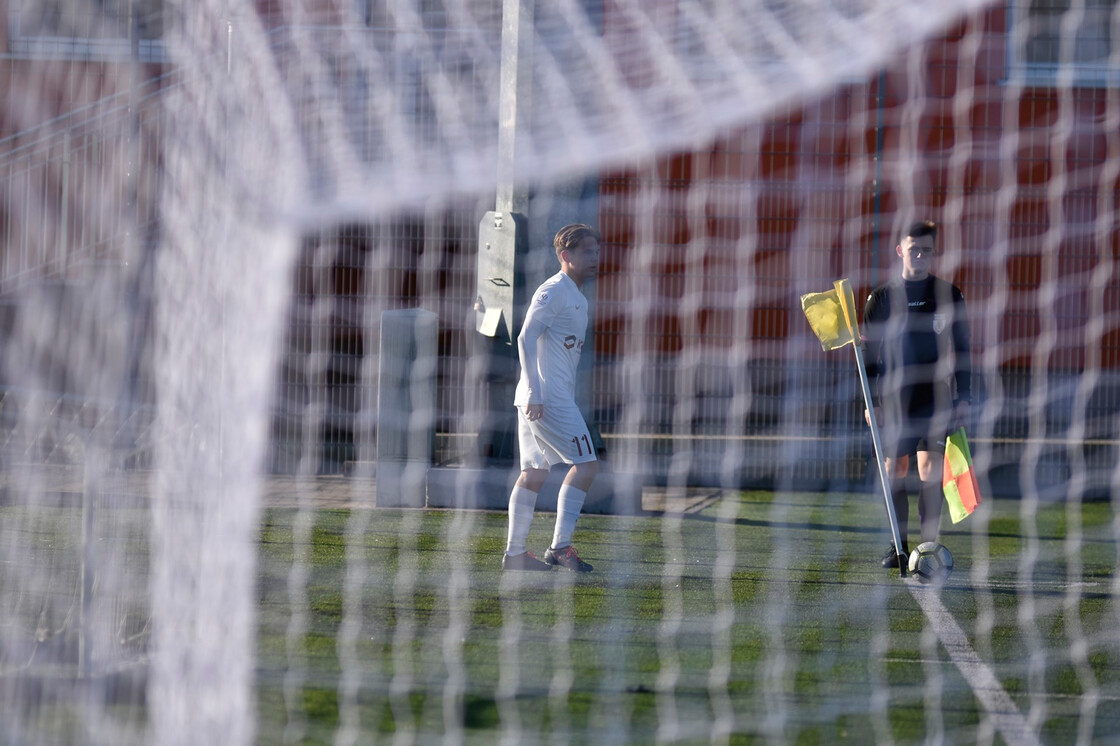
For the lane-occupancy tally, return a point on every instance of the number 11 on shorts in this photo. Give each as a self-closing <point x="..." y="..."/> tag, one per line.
<point x="582" y="442"/>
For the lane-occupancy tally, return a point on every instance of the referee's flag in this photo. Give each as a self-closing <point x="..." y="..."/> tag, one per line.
<point x="832" y="315"/>
<point x="959" y="479"/>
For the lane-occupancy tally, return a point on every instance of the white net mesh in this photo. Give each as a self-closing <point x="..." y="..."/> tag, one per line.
<point x="240" y="263"/>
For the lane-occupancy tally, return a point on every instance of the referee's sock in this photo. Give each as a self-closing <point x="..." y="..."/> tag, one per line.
<point x="930" y="500"/>
<point x="569" y="503"/>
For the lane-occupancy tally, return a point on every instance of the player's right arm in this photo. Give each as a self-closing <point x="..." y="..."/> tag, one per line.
<point x="528" y="346"/>
<point x="874" y="316"/>
<point x="875" y="313"/>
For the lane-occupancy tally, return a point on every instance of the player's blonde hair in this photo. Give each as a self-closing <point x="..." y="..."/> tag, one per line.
<point x="570" y="237"/>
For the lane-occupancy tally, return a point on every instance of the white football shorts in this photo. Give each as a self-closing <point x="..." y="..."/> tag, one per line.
<point x="560" y="436"/>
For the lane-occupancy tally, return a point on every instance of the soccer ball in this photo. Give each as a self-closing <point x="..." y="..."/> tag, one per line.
<point x="931" y="563"/>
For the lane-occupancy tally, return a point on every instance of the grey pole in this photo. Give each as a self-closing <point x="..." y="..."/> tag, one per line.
<point x="514" y="103"/>
<point x="503" y="240"/>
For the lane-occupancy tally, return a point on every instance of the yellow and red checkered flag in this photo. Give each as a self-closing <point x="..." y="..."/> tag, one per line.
<point x="958" y="480"/>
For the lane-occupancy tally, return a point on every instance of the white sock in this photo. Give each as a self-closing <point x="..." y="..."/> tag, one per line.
<point x="522" y="502"/>
<point x="568" y="505"/>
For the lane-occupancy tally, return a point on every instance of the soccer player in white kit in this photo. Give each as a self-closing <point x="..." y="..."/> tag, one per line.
<point x="550" y="427"/>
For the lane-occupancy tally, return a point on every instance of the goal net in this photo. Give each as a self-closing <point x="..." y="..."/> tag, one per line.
<point x="263" y="265"/>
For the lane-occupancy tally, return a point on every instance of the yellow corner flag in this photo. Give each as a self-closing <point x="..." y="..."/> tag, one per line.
<point x="832" y="315"/>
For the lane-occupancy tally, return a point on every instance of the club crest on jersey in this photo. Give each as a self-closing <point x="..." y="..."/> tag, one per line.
<point x="940" y="320"/>
<point x="571" y="341"/>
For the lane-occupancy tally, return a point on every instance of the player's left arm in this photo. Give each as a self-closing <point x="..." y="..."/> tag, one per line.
<point x="962" y="356"/>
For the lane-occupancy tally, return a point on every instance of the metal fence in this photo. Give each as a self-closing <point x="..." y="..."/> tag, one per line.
<point x="767" y="411"/>
<point x="703" y="370"/>
<point x="80" y="188"/>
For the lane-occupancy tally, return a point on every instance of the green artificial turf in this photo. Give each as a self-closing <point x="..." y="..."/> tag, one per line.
<point x="763" y="616"/>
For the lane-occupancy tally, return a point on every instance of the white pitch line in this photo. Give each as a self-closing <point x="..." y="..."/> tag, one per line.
<point x="1005" y="715"/>
<point x="1046" y="585"/>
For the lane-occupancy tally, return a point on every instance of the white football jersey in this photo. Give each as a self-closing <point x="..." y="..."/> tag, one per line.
<point x="557" y="319"/>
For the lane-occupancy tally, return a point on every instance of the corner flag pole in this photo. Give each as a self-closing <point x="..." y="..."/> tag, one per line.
<point x="857" y="345"/>
<point x="832" y="317"/>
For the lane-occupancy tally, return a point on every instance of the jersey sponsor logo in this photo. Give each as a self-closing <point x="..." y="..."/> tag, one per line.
<point x="571" y="341"/>
<point x="940" y="321"/>
<point x="542" y="299"/>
